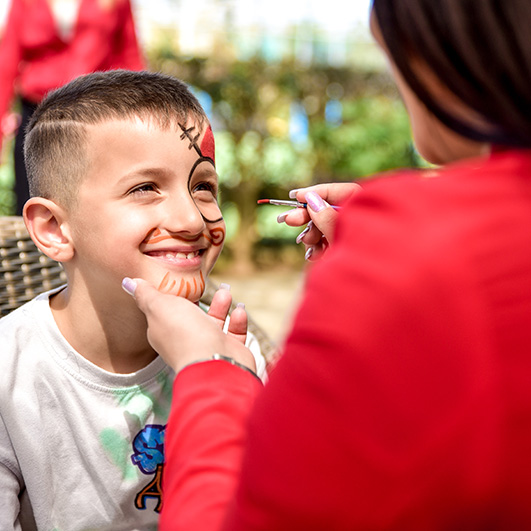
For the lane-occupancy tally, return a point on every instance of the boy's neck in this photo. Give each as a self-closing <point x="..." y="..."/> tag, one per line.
<point x="111" y="338"/>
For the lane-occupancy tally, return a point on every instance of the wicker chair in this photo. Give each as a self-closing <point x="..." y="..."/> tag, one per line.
<point x="25" y="272"/>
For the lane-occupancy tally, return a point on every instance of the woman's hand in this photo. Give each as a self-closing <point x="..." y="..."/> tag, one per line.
<point x="320" y="216"/>
<point x="182" y="333"/>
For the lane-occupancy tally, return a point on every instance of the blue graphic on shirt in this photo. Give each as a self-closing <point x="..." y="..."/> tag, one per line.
<point x="148" y="456"/>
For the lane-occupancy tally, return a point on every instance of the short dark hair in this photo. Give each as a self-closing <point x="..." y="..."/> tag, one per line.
<point x="55" y="144"/>
<point x="479" y="49"/>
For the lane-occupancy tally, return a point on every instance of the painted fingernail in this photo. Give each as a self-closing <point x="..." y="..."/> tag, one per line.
<point x="282" y="217"/>
<point x="240" y="305"/>
<point x="315" y="201"/>
<point x="293" y="193"/>
<point x="224" y="286"/>
<point x="302" y="234"/>
<point x="129" y="285"/>
<point x="309" y="253"/>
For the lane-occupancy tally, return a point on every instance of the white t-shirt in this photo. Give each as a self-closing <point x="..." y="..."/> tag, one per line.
<point x="80" y="448"/>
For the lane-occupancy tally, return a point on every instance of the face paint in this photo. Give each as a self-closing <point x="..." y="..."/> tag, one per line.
<point x="215" y="236"/>
<point x="208" y="146"/>
<point x="201" y="190"/>
<point x="189" y="288"/>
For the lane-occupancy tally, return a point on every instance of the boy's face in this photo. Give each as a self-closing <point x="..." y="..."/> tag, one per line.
<point x="148" y="208"/>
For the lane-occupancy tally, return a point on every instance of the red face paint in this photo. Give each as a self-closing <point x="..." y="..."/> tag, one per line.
<point x="207" y="147"/>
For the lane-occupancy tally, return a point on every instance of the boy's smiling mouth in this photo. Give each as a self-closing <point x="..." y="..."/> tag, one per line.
<point x="180" y="252"/>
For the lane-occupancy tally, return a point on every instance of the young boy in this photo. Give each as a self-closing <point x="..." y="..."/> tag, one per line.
<point x="123" y="183"/>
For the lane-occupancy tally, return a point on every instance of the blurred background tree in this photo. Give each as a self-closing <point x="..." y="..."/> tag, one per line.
<point x="281" y="125"/>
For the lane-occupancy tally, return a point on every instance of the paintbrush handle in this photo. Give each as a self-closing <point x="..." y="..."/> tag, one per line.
<point x="285" y="202"/>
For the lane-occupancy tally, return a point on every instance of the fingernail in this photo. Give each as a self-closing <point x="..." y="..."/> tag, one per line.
<point x="129" y="286"/>
<point x="240" y="305"/>
<point x="315" y="201"/>
<point x="282" y="217"/>
<point x="293" y="193"/>
<point x="302" y="234"/>
<point x="224" y="286"/>
<point x="309" y="253"/>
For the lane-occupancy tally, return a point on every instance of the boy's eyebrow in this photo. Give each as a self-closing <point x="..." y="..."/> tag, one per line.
<point x="208" y="170"/>
<point x="145" y="172"/>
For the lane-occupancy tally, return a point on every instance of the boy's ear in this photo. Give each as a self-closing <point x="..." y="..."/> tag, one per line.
<point x="45" y="221"/>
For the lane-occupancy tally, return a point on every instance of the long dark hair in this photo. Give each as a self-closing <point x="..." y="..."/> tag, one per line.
<point x="479" y="49"/>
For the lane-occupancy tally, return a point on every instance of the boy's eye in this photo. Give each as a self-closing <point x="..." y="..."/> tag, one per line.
<point x="205" y="195"/>
<point x="143" y="188"/>
<point x="206" y="187"/>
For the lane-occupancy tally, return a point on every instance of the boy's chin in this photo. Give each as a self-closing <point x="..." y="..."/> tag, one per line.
<point x="195" y="300"/>
<point x="192" y="297"/>
<point x="187" y="287"/>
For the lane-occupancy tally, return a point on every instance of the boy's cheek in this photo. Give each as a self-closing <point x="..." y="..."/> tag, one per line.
<point x="219" y="248"/>
<point x="217" y="236"/>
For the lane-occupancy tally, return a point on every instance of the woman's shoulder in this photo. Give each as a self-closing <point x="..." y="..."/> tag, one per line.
<point x="428" y="223"/>
<point x="499" y="168"/>
<point x="480" y="187"/>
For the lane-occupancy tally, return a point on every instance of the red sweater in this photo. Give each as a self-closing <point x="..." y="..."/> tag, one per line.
<point x="403" y="399"/>
<point x="35" y="59"/>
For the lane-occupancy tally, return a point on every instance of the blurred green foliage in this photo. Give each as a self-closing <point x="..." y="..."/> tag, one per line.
<point x="7" y="181"/>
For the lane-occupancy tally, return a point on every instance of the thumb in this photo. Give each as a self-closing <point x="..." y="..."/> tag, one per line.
<point x="143" y="292"/>
<point x="323" y="215"/>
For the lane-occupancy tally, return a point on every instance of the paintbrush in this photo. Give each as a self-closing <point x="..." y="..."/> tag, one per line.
<point x="284" y="202"/>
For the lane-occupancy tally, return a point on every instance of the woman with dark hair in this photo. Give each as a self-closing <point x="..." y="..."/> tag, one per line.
<point x="403" y="397"/>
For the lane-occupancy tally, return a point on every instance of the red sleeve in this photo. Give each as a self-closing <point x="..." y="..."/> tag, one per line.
<point x="10" y="55"/>
<point x="127" y="51"/>
<point x="204" y="439"/>
<point x="111" y="44"/>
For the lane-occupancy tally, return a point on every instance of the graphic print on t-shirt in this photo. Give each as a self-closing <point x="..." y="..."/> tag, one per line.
<point x="148" y="456"/>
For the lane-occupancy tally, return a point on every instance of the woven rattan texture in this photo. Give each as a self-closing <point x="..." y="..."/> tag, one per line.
<point x="24" y="270"/>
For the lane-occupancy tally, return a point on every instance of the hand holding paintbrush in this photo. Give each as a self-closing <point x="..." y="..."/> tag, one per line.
<point x="310" y="207"/>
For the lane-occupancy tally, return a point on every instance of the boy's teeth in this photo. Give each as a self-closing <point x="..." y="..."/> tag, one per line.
<point x="181" y="256"/>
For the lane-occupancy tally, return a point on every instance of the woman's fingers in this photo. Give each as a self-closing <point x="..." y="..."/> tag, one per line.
<point x="323" y="216"/>
<point x="332" y="193"/>
<point x="238" y="323"/>
<point x="220" y="305"/>
<point x="320" y="216"/>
